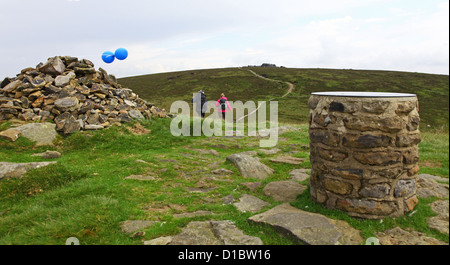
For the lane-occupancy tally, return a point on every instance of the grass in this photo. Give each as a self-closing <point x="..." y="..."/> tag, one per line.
<point x="85" y="195"/>
<point x="240" y="84"/>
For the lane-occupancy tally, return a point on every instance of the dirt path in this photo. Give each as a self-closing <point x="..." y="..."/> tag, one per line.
<point x="291" y="88"/>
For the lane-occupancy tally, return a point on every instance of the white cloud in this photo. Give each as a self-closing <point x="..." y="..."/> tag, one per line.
<point x="181" y="35"/>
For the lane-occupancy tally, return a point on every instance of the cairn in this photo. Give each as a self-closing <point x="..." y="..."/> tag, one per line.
<point x="72" y="94"/>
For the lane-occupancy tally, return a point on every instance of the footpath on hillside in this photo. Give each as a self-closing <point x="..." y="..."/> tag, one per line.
<point x="291" y="88"/>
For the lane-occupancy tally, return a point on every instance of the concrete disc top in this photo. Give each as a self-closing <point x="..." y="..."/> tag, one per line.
<point x="363" y="94"/>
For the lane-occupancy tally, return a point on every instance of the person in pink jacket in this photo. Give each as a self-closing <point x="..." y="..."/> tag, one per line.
<point x="222" y="104"/>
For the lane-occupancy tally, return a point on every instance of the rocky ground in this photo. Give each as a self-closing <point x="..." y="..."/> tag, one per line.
<point x="268" y="201"/>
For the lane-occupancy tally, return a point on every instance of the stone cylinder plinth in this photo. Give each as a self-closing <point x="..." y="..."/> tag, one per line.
<point x="364" y="152"/>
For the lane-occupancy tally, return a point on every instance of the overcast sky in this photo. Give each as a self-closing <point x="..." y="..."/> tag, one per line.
<point x="173" y="35"/>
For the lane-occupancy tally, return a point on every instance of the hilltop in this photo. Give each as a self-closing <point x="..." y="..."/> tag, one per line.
<point x="241" y="84"/>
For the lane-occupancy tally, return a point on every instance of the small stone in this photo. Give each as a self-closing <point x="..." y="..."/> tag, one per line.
<point x="378" y="158"/>
<point x="285" y="191"/>
<point x="10" y="134"/>
<point x="405" y="187"/>
<point x="193" y="214"/>
<point x="54" y="66"/>
<point x="375" y="191"/>
<point x="136" y="114"/>
<point x="67" y="104"/>
<point x="131" y="226"/>
<point x="229" y="199"/>
<point x="222" y="171"/>
<point x="141" y="177"/>
<point x="138" y="234"/>
<point x="252" y="186"/>
<point x="270" y="151"/>
<point x="207" y="152"/>
<point x="411" y="203"/>
<point x="93" y="127"/>
<point x="288" y="160"/>
<point x="250" y="167"/>
<point x="11" y="86"/>
<point x="337" y="186"/>
<point x="62" y="81"/>
<point x="299" y="174"/>
<point x="49" y="154"/>
<point x="249" y="203"/>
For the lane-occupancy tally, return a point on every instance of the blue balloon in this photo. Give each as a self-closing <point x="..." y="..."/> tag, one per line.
<point x="108" y="57"/>
<point x="121" y="54"/>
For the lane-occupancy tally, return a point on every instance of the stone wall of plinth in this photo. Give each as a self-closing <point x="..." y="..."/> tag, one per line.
<point x="364" y="154"/>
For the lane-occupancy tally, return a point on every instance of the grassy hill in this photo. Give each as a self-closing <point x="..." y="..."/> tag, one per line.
<point x="241" y="84"/>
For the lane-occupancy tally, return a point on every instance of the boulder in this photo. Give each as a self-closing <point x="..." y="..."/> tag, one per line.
<point x="250" y="167"/>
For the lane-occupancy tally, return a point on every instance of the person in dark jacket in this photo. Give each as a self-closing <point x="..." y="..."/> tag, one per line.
<point x="200" y="100"/>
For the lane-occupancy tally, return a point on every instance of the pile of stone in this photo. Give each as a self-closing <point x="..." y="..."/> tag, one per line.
<point x="73" y="94"/>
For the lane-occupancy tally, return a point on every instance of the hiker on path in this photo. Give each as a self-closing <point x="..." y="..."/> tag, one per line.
<point x="200" y="100"/>
<point x="223" y="103"/>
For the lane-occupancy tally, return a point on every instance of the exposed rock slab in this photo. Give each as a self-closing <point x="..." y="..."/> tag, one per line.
<point x="441" y="221"/>
<point x="284" y="191"/>
<point x="288" y="160"/>
<point x="206" y="152"/>
<point x="249" y="203"/>
<point x="250" y="167"/>
<point x="299" y="174"/>
<point x="193" y="214"/>
<point x="428" y="187"/>
<point x="309" y="228"/>
<point x="41" y="133"/>
<point x="272" y="151"/>
<point x="17" y="170"/>
<point x="222" y="171"/>
<point x="208" y="233"/>
<point x="141" y="177"/>
<point x="131" y="226"/>
<point x="398" y="236"/>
